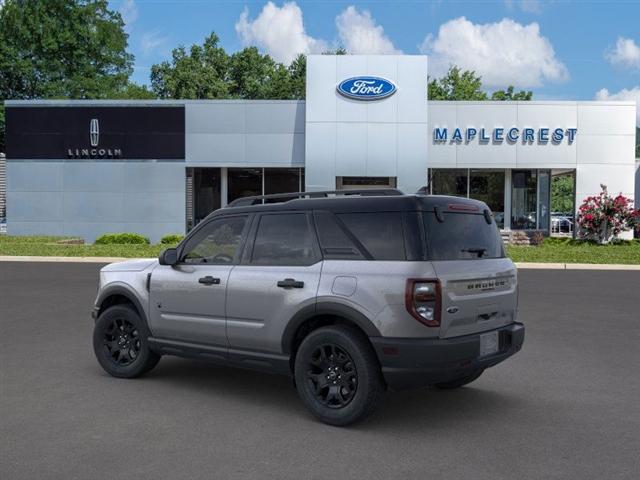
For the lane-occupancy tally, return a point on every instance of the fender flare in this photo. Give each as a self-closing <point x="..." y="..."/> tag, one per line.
<point x="119" y="289"/>
<point x="326" y="308"/>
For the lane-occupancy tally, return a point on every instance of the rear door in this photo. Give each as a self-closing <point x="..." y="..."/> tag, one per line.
<point x="478" y="283"/>
<point x="278" y="276"/>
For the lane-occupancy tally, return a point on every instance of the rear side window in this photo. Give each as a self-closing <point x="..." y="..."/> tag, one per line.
<point x="380" y="233"/>
<point x="284" y="239"/>
<point x="462" y="236"/>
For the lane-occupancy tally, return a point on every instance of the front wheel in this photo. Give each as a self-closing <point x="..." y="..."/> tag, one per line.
<point x="337" y="375"/>
<point x="120" y="342"/>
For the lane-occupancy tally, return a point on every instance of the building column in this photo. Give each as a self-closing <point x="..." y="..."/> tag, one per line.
<point x="223" y="187"/>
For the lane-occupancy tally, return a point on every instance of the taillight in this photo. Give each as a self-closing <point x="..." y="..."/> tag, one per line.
<point x="422" y="298"/>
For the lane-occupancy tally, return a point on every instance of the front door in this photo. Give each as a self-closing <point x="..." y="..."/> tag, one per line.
<point x="187" y="300"/>
<point x="279" y="275"/>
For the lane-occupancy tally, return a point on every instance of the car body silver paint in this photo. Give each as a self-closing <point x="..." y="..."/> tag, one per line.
<point x="248" y="311"/>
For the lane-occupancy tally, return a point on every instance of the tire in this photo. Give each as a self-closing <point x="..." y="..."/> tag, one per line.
<point x="460" y="382"/>
<point x="120" y="343"/>
<point x="337" y="375"/>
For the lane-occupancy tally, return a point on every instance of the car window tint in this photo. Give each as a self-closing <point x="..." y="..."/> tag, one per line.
<point x="217" y="243"/>
<point x="285" y="239"/>
<point x="334" y="241"/>
<point x="462" y="236"/>
<point x="379" y="232"/>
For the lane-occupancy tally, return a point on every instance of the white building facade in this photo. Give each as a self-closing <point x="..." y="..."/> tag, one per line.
<point x="84" y="168"/>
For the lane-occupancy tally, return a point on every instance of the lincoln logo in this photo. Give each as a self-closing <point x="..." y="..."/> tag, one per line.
<point x="366" y="88"/>
<point x="94" y="140"/>
<point x="94" y="132"/>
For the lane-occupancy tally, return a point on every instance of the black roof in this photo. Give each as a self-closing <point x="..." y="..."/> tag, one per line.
<point x="344" y="204"/>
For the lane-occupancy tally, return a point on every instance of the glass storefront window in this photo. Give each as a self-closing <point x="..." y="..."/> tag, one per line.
<point x="206" y="192"/>
<point x="281" y="180"/>
<point x="544" y="199"/>
<point x="243" y="182"/>
<point x="524" y="191"/>
<point x="449" y="181"/>
<point x="488" y="187"/>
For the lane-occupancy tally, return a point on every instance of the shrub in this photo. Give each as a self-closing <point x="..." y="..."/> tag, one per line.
<point x="171" y="239"/>
<point x="604" y="217"/>
<point x="122" y="238"/>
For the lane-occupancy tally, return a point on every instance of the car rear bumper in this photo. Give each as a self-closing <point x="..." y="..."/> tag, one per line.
<point x="411" y="363"/>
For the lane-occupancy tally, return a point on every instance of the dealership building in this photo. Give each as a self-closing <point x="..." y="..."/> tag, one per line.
<point x="84" y="168"/>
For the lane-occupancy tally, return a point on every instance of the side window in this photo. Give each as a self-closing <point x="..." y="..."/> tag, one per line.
<point x="284" y="239"/>
<point x="216" y="243"/>
<point x="334" y="241"/>
<point x="381" y="233"/>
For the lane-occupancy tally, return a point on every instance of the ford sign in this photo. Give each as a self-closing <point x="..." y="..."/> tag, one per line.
<point x="366" y="88"/>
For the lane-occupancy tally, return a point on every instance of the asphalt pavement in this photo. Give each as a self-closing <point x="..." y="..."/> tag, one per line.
<point x="567" y="406"/>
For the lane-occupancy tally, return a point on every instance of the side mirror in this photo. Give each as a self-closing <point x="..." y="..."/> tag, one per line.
<point x="168" y="256"/>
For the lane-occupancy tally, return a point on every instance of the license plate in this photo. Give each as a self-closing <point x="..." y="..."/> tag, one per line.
<point x="489" y="344"/>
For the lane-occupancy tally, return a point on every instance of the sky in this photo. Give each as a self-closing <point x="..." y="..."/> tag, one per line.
<point x="561" y="50"/>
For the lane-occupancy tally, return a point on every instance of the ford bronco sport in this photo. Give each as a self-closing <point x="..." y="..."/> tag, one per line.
<point x="349" y="293"/>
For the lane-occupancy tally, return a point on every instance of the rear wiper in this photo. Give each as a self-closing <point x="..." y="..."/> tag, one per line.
<point x="479" y="251"/>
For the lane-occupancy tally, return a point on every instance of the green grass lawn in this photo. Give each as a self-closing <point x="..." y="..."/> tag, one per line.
<point x="551" y="251"/>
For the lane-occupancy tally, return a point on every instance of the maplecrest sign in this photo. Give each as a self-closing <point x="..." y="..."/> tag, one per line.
<point x="512" y="135"/>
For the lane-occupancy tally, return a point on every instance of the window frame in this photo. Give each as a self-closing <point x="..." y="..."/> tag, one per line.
<point x="252" y="235"/>
<point x="207" y="223"/>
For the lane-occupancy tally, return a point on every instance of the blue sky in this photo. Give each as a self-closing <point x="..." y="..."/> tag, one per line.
<point x="561" y="50"/>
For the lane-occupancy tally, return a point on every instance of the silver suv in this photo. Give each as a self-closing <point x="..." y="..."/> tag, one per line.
<point x="350" y="293"/>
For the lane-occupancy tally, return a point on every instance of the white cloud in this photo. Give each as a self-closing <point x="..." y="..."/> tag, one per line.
<point x="529" y="6"/>
<point x="129" y="12"/>
<point x="360" y="34"/>
<point x="626" y="53"/>
<point x="278" y="31"/>
<point x="632" y="94"/>
<point x="504" y="53"/>
<point x="151" y="41"/>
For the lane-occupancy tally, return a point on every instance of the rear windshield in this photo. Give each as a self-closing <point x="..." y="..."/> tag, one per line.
<point x="462" y="236"/>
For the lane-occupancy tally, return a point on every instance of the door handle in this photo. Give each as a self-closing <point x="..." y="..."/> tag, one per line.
<point x="209" y="280"/>
<point x="290" y="283"/>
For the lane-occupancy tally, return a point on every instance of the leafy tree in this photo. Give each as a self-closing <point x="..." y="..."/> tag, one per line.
<point x="199" y="74"/>
<point x="510" y="95"/>
<point x="62" y="49"/>
<point x="298" y="74"/>
<point x="562" y="193"/>
<point x="457" y="85"/>
<point x="638" y="141"/>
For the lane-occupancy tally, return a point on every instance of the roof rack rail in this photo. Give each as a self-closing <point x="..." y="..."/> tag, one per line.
<point x="285" y="197"/>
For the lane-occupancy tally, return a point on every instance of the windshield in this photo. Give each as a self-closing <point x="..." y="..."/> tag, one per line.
<point x="462" y="236"/>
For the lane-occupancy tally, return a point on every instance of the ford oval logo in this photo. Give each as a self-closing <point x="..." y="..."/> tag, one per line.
<point x="366" y="88"/>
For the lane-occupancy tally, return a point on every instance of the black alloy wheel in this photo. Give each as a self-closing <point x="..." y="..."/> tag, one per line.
<point x="121" y="339"/>
<point x="121" y="342"/>
<point x="332" y="376"/>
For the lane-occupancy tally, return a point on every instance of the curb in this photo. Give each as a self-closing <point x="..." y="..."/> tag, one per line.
<point x="16" y="258"/>
<point x="520" y="265"/>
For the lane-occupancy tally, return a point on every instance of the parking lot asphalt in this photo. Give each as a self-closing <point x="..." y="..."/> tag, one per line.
<point x="566" y="406"/>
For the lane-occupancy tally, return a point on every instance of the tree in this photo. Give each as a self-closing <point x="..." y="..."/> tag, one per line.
<point x="457" y="85"/>
<point x="298" y="74"/>
<point x="61" y="49"/>
<point x="199" y="74"/>
<point x="562" y="191"/>
<point x="510" y="95"/>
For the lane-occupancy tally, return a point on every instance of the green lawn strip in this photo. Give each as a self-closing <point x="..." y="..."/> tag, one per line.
<point x="549" y="252"/>
<point x="584" y="253"/>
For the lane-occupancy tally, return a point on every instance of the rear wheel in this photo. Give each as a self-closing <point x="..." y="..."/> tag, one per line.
<point x="337" y="375"/>
<point x="460" y="382"/>
<point x="120" y="343"/>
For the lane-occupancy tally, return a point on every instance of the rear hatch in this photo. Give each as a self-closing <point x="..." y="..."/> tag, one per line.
<point x="478" y="283"/>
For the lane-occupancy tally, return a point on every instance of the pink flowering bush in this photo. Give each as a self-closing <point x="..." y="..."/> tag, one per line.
<point x="604" y="217"/>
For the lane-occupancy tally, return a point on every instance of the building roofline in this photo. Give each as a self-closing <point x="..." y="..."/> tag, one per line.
<point x="534" y="102"/>
<point x="151" y="103"/>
